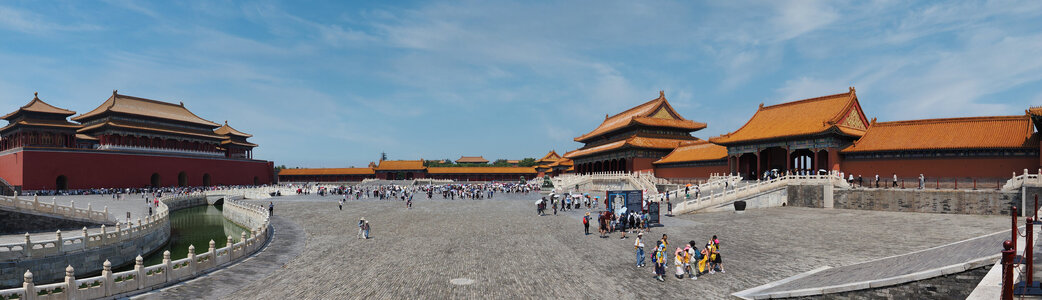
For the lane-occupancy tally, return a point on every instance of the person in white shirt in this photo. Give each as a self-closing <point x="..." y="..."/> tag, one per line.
<point x="638" y="245"/>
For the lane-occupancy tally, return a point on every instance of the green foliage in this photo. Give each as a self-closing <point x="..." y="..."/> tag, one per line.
<point x="527" y="162"/>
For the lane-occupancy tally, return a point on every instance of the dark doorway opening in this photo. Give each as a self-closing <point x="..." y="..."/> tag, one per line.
<point x="62" y="183"/>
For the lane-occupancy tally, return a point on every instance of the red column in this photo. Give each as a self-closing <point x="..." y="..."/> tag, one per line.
<point x="758" y="171"/>
<point x="834" y="159"/>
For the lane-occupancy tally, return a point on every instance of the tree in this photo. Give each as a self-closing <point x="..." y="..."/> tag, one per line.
<point x="527" y="162"/>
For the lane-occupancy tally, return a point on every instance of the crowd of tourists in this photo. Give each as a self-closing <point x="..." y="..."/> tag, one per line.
<point x="688" y="260"/>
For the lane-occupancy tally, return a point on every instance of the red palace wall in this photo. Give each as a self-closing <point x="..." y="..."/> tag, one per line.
<point x="11" y="168"/>
<point x="641" y="164"/>
<point x="94" y="169"/>
<point x="942" y="167"/>
<point x="690" y="172"/>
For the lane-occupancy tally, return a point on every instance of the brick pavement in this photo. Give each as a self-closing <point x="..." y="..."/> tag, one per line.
<point x="509" y="252"/>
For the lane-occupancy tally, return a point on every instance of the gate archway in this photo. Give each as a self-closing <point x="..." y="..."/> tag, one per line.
<point x="61" y="183"/>
<point x="155" y="180"/>
<point x="182" y="179"/>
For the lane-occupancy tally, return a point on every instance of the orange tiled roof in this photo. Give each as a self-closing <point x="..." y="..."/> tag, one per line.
<point x="228" y="130"/>
<point x="145" y="107"/>
<point x="656" y="112"/>
<point x="564" y="162"/>
<point x="160" y="129"/>
<point x="391" y="165"/>
<point x="481" y="170"/>
<point x="80" y="136"/>
<point x="803" y="117"/>
<point x="550" y="157"/>
<point x="37" y="105"/>
<point x="513" y="161"/>
<point x="636" y="142"/>
<point x="542" y="167"/>
<point x="471" y="159"/>
<point x="231" y="142"/>
<point x="1035" y="111"/>
<point x="42" y="123"/>
<point x="695" y="151"/>
<point x="328" y="171"/>
<point x="952" y="133"/>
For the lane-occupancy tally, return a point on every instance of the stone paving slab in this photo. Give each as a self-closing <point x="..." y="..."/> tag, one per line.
<point x="925" y="263"/>
<point x="504" y="250"/>
<point x="286" y="245"/>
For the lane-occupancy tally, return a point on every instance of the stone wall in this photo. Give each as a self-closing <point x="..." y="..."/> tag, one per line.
<point x="13" y="222"/>
<point x="954" y="286"/>
<point x="805" y="195"/>
<point x="979" y="202"/>
<point x="246" y="215"/>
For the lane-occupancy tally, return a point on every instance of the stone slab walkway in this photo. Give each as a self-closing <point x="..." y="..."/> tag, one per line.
<point x="133" y="204"/>
<point x="500" y="248"/>
<point x="286" y="245"/>
<point x="932" y="259"/>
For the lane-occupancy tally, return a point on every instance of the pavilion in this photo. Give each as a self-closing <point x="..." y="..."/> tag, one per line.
<point x="633" y="139"/>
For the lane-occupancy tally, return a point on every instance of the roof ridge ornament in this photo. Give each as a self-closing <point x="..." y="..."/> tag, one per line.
<point x="761" y="105"/>
<point x="851" y="89"/>
<point x="662" y="94"/>
<point x="36" y="95"/>
<point x="114" y="93"/>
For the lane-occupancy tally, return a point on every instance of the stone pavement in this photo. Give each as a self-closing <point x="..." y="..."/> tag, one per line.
<point x="501" y="249"/>
<point x="940" y="257"/>
<point x="285" y="245"/>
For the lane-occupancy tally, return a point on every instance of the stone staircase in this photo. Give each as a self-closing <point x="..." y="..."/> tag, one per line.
<point x="6" y="189"/>
<point x="758" y="188"/>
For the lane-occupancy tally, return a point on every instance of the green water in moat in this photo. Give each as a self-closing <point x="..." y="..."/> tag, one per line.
<point x="195" y="226"/>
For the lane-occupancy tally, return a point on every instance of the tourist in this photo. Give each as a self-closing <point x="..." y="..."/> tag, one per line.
<point x="360" y="227"/>
<point x="715" y="259"/>
<point x="638" y="244"/>
<point x="602" y="222"/>
<point x="660" y="261"/>
<point x="698" y="192"/>
<point x="691" y="257"/>
<point x="341" y="205"/>
<point x="877" y="181"/>
<point x="271" y="209"/>
<point x="860" y="181"/>
<point x="895" y="180"/>
<point x="922" y="181"/>
<point x="365" y="229"/>
<point x="586" y="223"/>
<point x="851" y="180"/>
<point x="678" y="262"/>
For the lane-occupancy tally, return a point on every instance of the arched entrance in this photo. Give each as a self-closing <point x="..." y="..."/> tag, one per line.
<point x="408" y="176"/>
<point x="61" y="183"/>
<point x="206" y="179"/>
<point x="622" y="165"/>
<point x="256" y="181"/>
<point x="182" y="179"/>
<point x="155" y="180"/>
<point x="747" y="166"/>
<point x="390" y="176"/>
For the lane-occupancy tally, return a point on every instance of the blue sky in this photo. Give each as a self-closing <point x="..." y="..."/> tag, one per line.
<point x="333" y="84"/>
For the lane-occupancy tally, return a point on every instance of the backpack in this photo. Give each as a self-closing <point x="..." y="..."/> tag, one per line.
<point x="586" y="220"/>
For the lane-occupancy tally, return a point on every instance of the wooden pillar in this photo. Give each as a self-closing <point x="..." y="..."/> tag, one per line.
<point x="758" y="166"/>
<point x="833" y="159"/>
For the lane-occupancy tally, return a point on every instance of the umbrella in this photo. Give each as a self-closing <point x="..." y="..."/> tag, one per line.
<point x="540" y="201"/>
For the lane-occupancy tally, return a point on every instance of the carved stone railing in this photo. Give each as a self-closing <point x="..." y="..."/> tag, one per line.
<point x="53" y="208"/>
<point x="143" y="278"/>
<point x="712" y="199"/>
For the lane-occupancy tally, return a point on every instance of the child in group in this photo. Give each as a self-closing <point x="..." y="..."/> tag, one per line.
<point x="660" y="261"/>
<point x="678" y="261"/>
<point x="693" y="256"/>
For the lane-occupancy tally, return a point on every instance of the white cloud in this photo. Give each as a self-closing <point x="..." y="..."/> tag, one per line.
<point x="33" y="23"/>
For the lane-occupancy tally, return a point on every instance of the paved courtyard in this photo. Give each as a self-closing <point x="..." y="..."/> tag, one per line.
<point x="509" y="252"/>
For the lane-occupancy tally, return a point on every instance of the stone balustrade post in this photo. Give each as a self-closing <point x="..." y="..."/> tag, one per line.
<point x="60" y="243"/>
<point x="231" y="249"/>
<point x="242" y="239"/>
<point x="191" y="259"/>
<point x="70" y="283"/>
<point x="36" y="202"/>
<point x="139" y="272"/>
<point x="54" y="204"/>
<point x="90" y="212"/>
<point x="86" y="237"/>
<point x="119" y="231"/>
<point x="28" y="286"/>
<point x="27" y="250"/>
<point x="167" y="267"/>
<point x="106" y="272"/>
<point x="104" y="235"/>
<point x="107" y="212"/>
<point x="72" y="208"/>
<point x="213" y="253"/>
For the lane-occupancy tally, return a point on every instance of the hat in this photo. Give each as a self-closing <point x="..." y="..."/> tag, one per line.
<point x="362" y="219"/>
<point x="587" y="213"/>
<point x="640" y="234"/>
